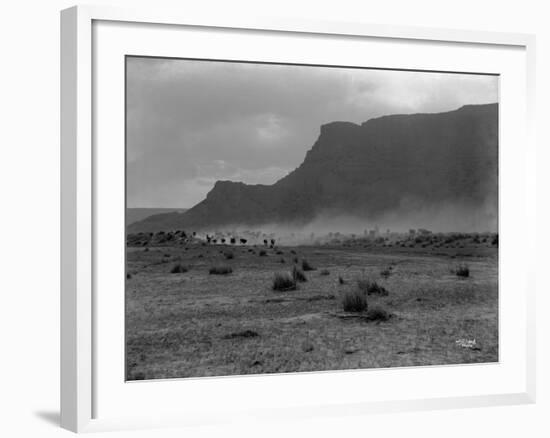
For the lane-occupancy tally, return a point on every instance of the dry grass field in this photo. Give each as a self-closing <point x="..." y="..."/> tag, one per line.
<point x="211" y="310"/>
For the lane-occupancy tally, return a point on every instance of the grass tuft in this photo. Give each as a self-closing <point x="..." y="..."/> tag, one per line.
<point x="229" y="255"/>
<point x="355" y="300"/>
<point x="462" y="270"/>
<point x="262" y="253"/>
<point x="325" y="272"/>
<point x="178" y="269"/>
<point x="371" y="287"/>
<point x="243" y="334"/>
<point x="298" y="275"/>
<point x="220" y="270"/>
<point x="283" y="282"/>
<point x="306" y="266"/>
<point x="378" y="313"/>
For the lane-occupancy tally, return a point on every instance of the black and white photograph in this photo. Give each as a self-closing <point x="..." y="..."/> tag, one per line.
<point x="286" y="218"/>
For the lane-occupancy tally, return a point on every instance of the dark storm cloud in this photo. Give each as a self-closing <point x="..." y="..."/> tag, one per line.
<point x="191" y="123"/>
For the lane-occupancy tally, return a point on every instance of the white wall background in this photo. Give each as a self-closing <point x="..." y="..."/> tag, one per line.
<point x="29" y="215"/>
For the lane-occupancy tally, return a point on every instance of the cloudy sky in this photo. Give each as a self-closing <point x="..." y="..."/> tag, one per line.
<point x="191" y="123"/>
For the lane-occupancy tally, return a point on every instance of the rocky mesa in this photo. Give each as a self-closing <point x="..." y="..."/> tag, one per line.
<point x="365" y="171"/>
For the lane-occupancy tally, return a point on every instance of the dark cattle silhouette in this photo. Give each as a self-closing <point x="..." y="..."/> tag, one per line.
<point x="243" y="241"/>
<point x="223" y="240"/>
<point x="265" y="242"/>
<point x="272" y="242"/>
<point x="233" y="240"/>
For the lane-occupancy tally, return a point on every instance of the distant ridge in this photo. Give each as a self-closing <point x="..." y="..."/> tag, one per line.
<point x="366" y="171"/>
<point x="138" y="214"/>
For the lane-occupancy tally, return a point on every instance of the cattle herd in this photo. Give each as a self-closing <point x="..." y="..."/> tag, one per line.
<point x="389" y="239"/>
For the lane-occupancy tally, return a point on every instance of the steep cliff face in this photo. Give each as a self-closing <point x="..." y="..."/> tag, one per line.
<point x="367" y="170"/>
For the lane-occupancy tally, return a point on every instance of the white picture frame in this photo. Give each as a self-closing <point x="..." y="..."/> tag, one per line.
<point x="79" y="217"/>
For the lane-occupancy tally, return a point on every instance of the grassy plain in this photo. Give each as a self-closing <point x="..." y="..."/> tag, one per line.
<point x="192" y="323"/>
